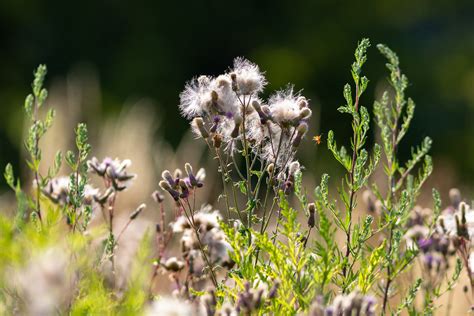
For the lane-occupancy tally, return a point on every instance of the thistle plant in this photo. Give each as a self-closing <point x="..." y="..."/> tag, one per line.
<point x="234" y="122"/>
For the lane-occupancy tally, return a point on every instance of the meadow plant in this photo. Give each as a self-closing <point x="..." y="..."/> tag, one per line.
<point x="276" y="248"/>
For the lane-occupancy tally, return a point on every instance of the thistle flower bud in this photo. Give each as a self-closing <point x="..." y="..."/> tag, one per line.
<point x="167" y="187"/>
<point x="166" y="175"/>
<point x="184" y="189"/>
<point x="173" y="264"/>
<point x="158" y="197"/>
<point x="188" y="168"/>
<point x="302" y="102"/>
<point x="264" y="115"/>
<point x="300" y="132"/>
<point x="158" y="228"/>
<point x="237" y="123"/>
<point x="271" y="168"/>
<point x="311" y="219"/>
<point x="217" y="141"/>
<point x="178" y="174"/>
<point x="256" y="106"/>
<point x="200" y="176"/>
<point x="304" y="113"/>
<point x="198" y="121"/>
<point x="137" y="211"/>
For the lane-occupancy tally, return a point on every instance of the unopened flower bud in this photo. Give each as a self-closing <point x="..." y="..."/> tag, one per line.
<point x="178" y="174"/>
<point x="188" y="168"/>
<point x="304" y="113"/>
<point x="166" y="175"/>
<point x="167" y="187"/>
<point x="300" y="132"/>
<point x="158" y="197"/>
<point x="158" y="228"/>
<point x="137" y="211"/>
<point x="271" y="168"/>
<point x="173" y="264"/>
<point x="200" y="126"/>
<point x="302" y="102"/>
<point x="256" y="106"/>
<point x="184" y="189"/>
<point x="237" y="122"/>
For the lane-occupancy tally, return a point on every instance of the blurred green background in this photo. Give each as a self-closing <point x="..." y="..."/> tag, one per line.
<point x="151" y="48"/>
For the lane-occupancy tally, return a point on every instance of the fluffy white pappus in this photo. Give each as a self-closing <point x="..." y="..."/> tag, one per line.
<point x="195" y="100"/>
<point x="288" y="108"/>
<point x="249" y="78"/>
<point x="277" y="147"/>
<point x="227" y="102"/>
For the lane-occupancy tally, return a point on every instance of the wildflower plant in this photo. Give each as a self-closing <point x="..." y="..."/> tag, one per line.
<point x="276" y="248"/>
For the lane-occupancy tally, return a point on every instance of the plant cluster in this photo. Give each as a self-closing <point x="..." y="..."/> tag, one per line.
<point x="276" y="248"/>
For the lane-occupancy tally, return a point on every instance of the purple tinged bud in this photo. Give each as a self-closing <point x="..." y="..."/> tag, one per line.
<point x="237" y="123"/>
<point x="166" y="175"/>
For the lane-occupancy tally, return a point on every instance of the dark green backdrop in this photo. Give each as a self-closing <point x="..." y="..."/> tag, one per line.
<point x="150" y="48"/>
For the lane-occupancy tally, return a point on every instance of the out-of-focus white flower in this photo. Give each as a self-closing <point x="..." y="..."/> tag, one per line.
<point x="57" y="190"/>
<point x="46" y="283"/>
<point x="171" y="307"/>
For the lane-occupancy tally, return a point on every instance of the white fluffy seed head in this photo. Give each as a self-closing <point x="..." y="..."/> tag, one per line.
<point x="249" y="78"/>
